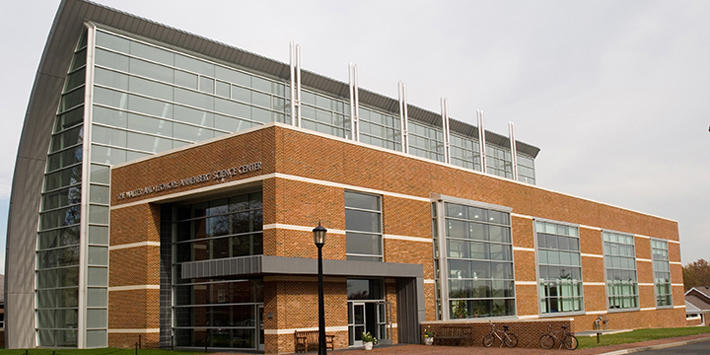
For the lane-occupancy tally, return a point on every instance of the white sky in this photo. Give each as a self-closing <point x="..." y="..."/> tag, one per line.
<point x="615" y="93"/>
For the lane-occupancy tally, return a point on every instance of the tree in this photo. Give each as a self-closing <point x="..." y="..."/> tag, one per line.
<point x="696" y="273"/>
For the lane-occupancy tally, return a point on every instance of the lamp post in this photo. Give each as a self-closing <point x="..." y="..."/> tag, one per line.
<point x="319" y="239"/>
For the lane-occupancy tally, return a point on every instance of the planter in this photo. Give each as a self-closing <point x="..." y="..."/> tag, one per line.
<point x="429" y="341"/>
<point x="368" y="345"/>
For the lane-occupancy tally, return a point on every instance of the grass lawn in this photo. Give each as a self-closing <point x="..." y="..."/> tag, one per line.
<point x="105" y="351"/>
<point x="640" y="335"/>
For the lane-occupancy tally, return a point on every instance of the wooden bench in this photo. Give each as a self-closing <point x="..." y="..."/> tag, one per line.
<point x="309" y="339"/>
<point x="455" y="335"/>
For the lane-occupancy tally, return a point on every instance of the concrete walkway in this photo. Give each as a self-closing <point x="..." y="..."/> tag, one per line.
<point x="459" y="350"/>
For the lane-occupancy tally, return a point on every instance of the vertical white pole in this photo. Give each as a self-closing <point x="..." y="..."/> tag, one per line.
<point x="356" y="88"/>
<point x="513" y="149"/>
<point x="298" y="84"/>
<point x="405" y="142"/>
<point x="400" y="89"/>
<point x="445" y="129"/>
<point x="352" y="101"/>
<point x="482" y="140"/>
<point x="291" y="57"/>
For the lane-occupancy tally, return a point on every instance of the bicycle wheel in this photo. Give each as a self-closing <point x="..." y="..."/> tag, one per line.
<point x="488" y="340"/>
<point x="570" y="342"/>
<point x="511" y="340"/>
<point x="547" y="341"/>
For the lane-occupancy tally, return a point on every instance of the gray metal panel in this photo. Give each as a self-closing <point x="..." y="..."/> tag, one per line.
<point x="410" y="309"/>
<point x="243" y="265"/>
<point x="266" y="264"/>
<point x="305" y="266"/>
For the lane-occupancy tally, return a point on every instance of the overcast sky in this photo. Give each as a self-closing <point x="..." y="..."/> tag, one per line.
<point x="615" y="93"/>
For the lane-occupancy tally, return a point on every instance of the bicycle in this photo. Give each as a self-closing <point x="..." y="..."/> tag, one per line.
<point x="508" y="339"/>
<point x="566" y="339"/>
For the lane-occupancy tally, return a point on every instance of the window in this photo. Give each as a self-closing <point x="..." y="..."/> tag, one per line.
<point x="479" y="262"/>
<point x="426" y="141"/>
<point x="661" y="272"/>
<point x="620" y="266"/>
<point x="465" y="152"/>
<point x="559" y="267"/>
<point x="363" y="226"/>
<point x="219" y="229"/>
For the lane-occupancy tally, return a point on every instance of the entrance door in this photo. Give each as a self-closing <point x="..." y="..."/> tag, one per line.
<point x="260" y="328"/>
<point x="356" y="318"/>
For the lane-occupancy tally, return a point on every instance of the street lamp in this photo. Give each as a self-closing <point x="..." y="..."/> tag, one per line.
<point x="319" y="239"/>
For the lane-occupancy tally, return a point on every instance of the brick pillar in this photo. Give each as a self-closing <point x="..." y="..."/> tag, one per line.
<point x="134" y="276"/>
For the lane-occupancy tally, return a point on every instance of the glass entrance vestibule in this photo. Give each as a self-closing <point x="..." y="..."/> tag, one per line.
<point x="368" y="311"/>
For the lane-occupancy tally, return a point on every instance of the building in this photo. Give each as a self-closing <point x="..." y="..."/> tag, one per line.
<point x="166" y="186"/>
<point x="697" y="304"/>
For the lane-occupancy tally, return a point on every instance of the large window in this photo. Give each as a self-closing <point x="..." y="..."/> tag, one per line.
<point x="324" y="114"/>
<point x="465" y="152"/>
<point x="219" y="229"/>
<point x="559" y="268"/>
<point x="426" y="141"/>
<point x="499" y="161"/>
<point x="380" y="128"/>
<point x="217" y="312"/>
<point x="58" y="249"/>
<point x="620" y="266"/>
<point x="526" y="169"/>
<point x="661" y="272"/>
<point x="363" y="226"/>
<point x="479" y="262"/>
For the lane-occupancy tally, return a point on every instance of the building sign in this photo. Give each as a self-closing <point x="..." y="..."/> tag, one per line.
<point x="217" y="175"/>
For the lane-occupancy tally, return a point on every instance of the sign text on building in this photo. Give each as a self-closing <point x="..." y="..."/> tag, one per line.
<point x="217" y="175"/>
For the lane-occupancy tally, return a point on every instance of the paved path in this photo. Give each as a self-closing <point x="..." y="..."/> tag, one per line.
<point x="690" y="349"/>
<point x="459" y="350"/>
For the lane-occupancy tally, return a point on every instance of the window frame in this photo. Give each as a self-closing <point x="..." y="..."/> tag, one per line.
<point x="442" y="276"/>
<point x="582" y="311"/>
<point x="653" y="270"/>
<point x="606" y="278"/>
<point x="380" y="221"/>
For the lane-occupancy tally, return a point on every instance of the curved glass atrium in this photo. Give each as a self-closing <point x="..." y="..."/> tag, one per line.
<point x="125" y="98"/>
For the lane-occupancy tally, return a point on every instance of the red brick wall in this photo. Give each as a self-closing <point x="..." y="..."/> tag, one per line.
<point x="527" y="331"/>
<point x="302" y="203"/>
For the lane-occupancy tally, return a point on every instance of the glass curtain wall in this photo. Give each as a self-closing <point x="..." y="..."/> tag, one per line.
<point x="526" y="169"/>
<point x="380" y="129"/>
<point x="479" y="262"/>
<point x="499" y="161"/>
<point x="363" y="226"/>
<point x="148" y="99"/>
<point x="661" y="273"/>
<point x="217" y="312"/>
<point x="465" y="152"/>
<point x="559" y="267"/>
<point x="57" y="269"/>
<point x="325" y="114"/>
<point x="620" y="267"/>
<point x="426" y="141"/>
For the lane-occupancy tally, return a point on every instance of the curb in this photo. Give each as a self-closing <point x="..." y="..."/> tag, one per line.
<point x="657" y="346"/>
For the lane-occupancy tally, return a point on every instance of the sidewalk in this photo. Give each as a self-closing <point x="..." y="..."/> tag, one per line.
<point x="459" y="350"/>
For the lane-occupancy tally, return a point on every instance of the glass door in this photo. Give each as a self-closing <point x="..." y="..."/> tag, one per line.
<point x="356" y="323"/>
<point x="260" y="329"/>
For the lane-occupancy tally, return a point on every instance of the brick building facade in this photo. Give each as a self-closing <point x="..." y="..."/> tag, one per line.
<point x="166" y="188"/>
<point x="303" y="179"/>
